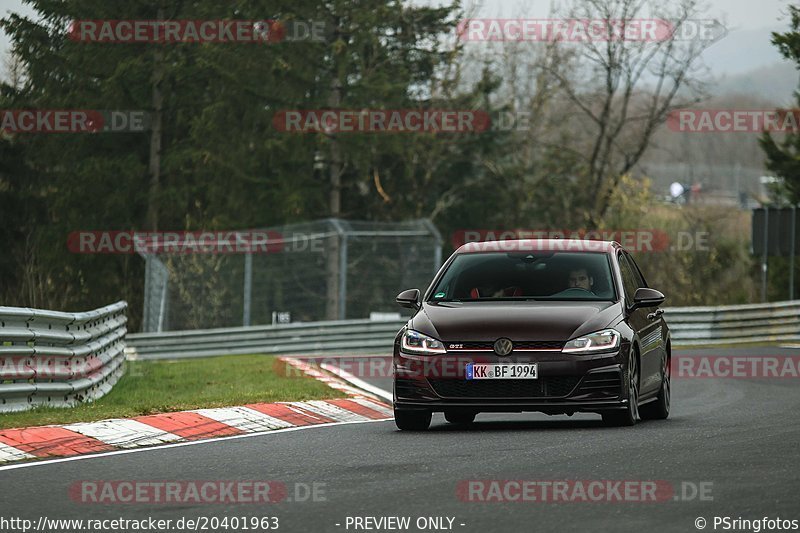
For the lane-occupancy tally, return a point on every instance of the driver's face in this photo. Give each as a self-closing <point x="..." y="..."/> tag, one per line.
<point x="580" y="279"/>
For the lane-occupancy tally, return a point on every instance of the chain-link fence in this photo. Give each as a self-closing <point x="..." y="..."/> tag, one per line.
<point x="325" y="270"/>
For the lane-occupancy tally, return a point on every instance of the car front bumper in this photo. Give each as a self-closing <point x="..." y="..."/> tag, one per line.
<point x="566" y="383"/>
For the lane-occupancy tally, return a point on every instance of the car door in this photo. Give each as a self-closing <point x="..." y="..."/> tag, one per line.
<point x="647" y="327"/>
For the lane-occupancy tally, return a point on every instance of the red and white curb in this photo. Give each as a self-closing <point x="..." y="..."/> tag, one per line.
<point x="107" y="435"/>
<point x="314" y="372"/>
<point x="341" y="379"/>
<point x="360" y="383"/>
<point x="184" y="426"/>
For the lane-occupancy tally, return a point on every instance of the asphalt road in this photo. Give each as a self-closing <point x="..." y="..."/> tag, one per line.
<point x="737" y="438"/>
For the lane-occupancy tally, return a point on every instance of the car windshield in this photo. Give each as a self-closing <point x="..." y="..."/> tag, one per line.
<point x="567" y="276"/>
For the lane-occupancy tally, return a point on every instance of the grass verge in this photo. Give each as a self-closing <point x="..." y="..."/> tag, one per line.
<point x="150" y="387"/>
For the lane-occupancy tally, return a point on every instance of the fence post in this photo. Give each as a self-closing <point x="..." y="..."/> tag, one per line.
<point x="162" y="308"/>
<point x="437" y="252"/>
<point x="764" y="259"/>
<point x="336" y="306"/>
<point x="148" y="268"/>
<point x="156" y="281"/>
<point x="343" y="277"/>
<point x="247" y="297"/>
<point x="791" y="253"/>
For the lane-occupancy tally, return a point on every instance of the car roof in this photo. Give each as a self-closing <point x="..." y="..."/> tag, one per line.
<point x="540" y="245"/>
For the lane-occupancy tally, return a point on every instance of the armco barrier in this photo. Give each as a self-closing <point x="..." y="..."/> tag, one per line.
<point x="59" y="359"/>
<point x="345" y="336"/>
<point x="697" y="326"/>
<point x="734" y="324"/>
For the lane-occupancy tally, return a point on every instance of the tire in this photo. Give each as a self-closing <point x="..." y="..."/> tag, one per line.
<point x="629" y="416"/>
<point x="407" y="420"/>
<point x="659" y="409"/>
<point x="460" y="417"/>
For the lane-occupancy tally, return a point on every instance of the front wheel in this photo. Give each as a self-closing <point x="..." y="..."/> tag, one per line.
<point x="659" y="409"/>
<point x="407" y="420"/>
<point x="628" y="416"/>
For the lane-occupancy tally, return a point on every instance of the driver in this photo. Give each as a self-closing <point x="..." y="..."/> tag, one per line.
<point x="579" y="278"/>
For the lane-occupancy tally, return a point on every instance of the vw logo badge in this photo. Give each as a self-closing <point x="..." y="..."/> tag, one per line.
<point x="503" y="346"/>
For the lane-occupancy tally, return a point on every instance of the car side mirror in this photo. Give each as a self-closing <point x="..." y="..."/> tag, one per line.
<point x="645" y="297"/>
<point x="408" y="298"/>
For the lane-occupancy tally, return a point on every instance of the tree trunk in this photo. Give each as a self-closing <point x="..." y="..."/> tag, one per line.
<point x="154" y="169"/>
<point x="332" y="303"/>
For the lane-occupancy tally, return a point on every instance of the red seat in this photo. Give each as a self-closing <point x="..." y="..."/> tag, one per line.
<point x="475" y="293"/>
<point x="512" y="291"/>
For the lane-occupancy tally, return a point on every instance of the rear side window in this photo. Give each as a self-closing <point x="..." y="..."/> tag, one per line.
<point x="637" y="274"/>
<point x="629" y="282"/>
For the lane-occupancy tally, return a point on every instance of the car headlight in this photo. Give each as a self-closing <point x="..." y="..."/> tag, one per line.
<point x="415" y="342"/>
<point x="599" y="341"/>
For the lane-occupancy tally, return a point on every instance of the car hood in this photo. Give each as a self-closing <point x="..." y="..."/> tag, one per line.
<point x="519" y="321"/>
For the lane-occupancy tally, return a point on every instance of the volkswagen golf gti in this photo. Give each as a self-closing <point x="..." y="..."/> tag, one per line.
<point x="554" y="326"/>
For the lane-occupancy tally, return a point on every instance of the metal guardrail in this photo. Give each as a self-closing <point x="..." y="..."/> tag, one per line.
<point x="734" y="324"/>
<point x="59" y="359"/>
<point x="350" y="336"/>
<point x="696" y="326"/>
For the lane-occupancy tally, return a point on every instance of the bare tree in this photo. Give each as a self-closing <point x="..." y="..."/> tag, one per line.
<point x="626" y="85"/>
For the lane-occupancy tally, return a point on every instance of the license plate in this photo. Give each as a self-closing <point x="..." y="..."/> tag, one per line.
<point x="502" y="371"/>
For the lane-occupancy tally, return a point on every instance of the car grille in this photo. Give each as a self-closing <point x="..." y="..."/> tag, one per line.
<point x="606" y="384"/>
<point x="518" y="345"/>
<point x="546" y="387"/>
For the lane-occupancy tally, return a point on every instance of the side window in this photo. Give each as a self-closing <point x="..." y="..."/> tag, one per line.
<point x="629" y="281"/>
<point x="637" y="274"/>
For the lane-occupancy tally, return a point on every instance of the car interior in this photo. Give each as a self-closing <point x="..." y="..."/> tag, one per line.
<point x="525" y="275"/>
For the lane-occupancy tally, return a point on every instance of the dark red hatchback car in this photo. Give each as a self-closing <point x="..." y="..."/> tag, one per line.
<point x="556" y="326"/>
